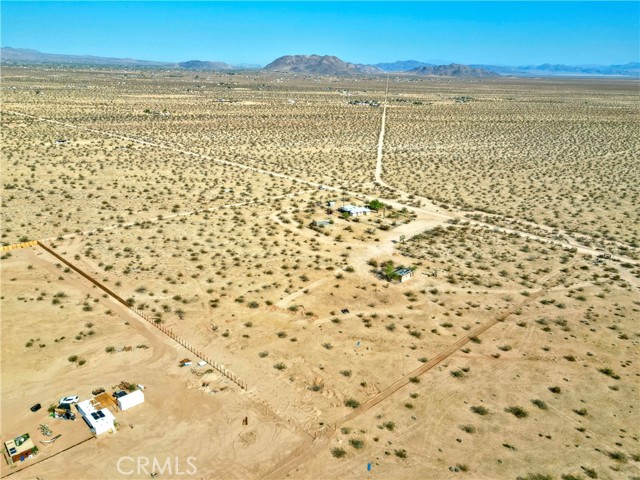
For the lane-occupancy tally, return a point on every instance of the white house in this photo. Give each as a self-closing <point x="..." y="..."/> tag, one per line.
<point x="130" y="400"/>
<point x="99" y="421"/>
<point x="355" y="211"/>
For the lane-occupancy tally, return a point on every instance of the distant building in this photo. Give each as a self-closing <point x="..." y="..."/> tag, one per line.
<point x="19" y="449"/>
<point x="355" y="211"/>
<point x="99" y="421"/>
<point x="404" y="274"/>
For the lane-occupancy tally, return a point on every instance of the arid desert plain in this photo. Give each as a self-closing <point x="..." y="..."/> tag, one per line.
<point x="152" y="218"/>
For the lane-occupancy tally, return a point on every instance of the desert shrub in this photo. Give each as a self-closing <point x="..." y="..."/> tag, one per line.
<point x="609" y="373"/>
<point x="479" y="410"/>
<point x="389" y="426"/>
<point x="467" y="428"/>
<point x="356" y="443"/>
<point x="351" y="402"/>
<point x="338" y="452"/>
<point x="517" y="411"/>
<point x="569" y="476"/>
<point x="618" y="456"/>
<point x="535" y="476"/>
<point x="539" y="403"/>
<point x="402" y="453"/>
<point x="279" y="366"/>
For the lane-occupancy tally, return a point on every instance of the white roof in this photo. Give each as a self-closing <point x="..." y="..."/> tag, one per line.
<point x="99" y="420"/>
<point x="131" y="400"/>
<point x="352" y="209"/>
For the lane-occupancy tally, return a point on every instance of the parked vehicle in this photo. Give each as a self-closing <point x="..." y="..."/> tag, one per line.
<point x="70" y="399"/>
<point x="36" y="407"/>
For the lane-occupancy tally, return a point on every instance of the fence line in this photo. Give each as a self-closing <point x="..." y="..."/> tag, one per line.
<point x="15" y="246"/>
<point x="162" y="328"/>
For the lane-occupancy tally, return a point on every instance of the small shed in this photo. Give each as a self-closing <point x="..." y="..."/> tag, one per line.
<point x="404" y="274"/>
<point x="19" y="448"/>
<point x="130" y="400"/>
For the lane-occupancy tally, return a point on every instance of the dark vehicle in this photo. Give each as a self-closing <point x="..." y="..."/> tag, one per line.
<point x="36" y="407"/>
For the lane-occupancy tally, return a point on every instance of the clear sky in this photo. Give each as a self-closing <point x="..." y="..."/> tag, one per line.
<point x="507" y="33"/>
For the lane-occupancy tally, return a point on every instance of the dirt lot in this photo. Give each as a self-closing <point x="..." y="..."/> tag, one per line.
<point x="179" y="419"/>
<point x="512" y="352"/>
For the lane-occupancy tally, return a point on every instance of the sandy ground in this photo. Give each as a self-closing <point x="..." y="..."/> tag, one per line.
<point x="199" y="214"/>
<point x="179" y="419"/>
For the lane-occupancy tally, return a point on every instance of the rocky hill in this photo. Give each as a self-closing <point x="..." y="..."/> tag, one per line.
<point x="319" y="65"/>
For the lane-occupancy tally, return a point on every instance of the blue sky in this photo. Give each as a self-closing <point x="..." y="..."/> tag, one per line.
<point x="507" y="33"/>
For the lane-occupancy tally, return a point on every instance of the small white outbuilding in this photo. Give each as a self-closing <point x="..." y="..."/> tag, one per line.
<point x="130" y="400"/>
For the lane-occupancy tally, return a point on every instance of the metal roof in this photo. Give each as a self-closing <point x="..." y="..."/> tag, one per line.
<point x="353" y="209"/>
<point x="403" y="271"/>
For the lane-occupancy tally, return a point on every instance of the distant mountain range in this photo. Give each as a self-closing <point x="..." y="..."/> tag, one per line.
<point x="28" y="56"/>
<point x="319" y="65"/>
<point x="453" y="70"/>
<point x="631" y="69"/>
<point x="402" y="65"/>
<point x="22" y="56"/>
<point x="325" y="65"/>
<point x="628" y="69"/>
<point x="201" y="65"/>
<point x="329" y="65"/>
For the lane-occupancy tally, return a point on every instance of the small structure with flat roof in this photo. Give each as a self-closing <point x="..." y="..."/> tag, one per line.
<point x="20" y="448"/>
<point x="321" y="223"/>
<point x="355" y="211"/>
<point x="130" y="400"/>
<point x="403" y="274"/>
